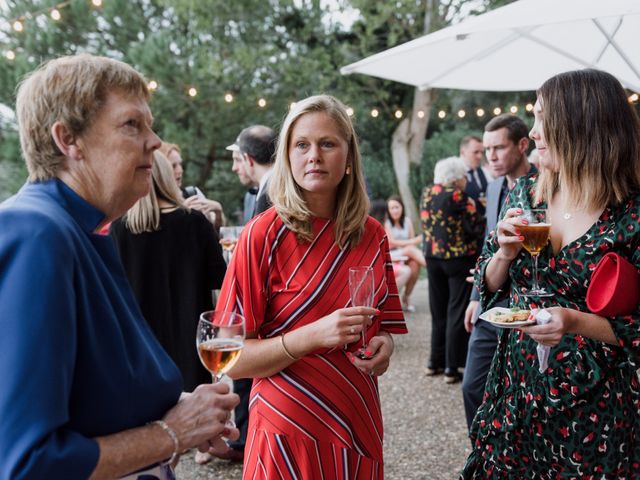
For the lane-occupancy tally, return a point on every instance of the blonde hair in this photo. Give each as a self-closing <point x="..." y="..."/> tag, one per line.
<point x="448" y="170"/>
<point x="594" y="133"/>
<point x="166" y="148"/>
<point x="144" y="216"/>
<point x="352" y="203"/>
<point x="70" y="90"/>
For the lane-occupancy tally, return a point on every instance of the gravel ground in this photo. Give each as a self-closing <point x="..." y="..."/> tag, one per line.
<point x="425" y="429"/>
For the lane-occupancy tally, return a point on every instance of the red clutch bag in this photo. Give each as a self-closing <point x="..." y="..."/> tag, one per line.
<point x="615" y="287"/>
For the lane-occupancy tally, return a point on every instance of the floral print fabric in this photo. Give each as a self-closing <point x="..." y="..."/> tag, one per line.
<point x="450" y="222"/>
<point x="580" y="417"/>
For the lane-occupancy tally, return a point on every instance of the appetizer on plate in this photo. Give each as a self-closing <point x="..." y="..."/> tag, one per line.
<point x="513" y="315"/>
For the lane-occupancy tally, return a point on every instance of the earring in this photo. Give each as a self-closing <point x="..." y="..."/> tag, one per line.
<point x="348" y="171"/>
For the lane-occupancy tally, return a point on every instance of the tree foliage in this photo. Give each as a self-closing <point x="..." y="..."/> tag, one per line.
<point x="279" y="50"/>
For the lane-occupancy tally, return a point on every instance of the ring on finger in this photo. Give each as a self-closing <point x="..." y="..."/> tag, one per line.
<point x="352" y="330"/>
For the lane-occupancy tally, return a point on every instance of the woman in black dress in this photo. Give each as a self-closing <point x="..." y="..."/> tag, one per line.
<point x="174" y="260"/>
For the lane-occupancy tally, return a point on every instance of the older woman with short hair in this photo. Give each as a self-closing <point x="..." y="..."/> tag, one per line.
<point x="313" y="399"/>
<point x="451" y="226"/>
<point x="87" y="391"/>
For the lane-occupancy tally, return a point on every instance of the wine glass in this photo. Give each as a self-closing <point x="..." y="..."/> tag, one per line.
<point x="228" y="240"/>
<point x="536" y="236"/>
<point x="361" y="287"/>
<point x="219" y="340"/>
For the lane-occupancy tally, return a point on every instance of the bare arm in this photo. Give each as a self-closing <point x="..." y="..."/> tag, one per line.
<point x="264" y="357"/>
<point x="396" y="243"/>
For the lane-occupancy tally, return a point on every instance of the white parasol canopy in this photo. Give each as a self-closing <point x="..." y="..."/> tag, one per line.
<point x="517" y="47"/>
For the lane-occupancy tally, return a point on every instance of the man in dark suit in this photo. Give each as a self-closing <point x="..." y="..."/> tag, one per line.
<point x="505" y="142"/>
<point x="253" y="154"/>
<point x="471" y="151"/>
<point x="256" y="145"/>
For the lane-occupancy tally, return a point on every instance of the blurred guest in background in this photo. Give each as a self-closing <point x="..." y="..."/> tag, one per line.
<point x="401" y="270"/>
<point x="253" y="150"/>
<point x="451" y="226"/>
<point x="105" y="402"/>
<point x="404" y="243"/>
<point x="194" y="198"/>
<point x="312" y="396"/>
<point x="256" y="146"/>
<point x="478" y="177"/>
<point x="173" y="260"/>
<point x="506" y="138"/>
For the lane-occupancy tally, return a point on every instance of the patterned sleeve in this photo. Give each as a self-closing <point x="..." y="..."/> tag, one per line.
<point x="392" y="318"/>
<point x="244" y="286"/>
<point x="627" y="328"/>
<point x="473" y="222"/>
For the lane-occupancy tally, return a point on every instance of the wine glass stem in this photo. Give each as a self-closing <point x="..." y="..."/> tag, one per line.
<point x="536" y="287"/>
<point x="216" y="378"/>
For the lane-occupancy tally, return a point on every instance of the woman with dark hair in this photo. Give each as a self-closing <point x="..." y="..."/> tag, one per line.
<point x="314" y="410"/>
<point x="404" y="243"/>
<point x="578" y="415"/>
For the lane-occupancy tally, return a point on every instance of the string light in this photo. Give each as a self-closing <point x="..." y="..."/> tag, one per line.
<point x="192" y="92"/>
<point x="513" y="109"/>
<point x="420" y="114"/>
<point x="375" y="113"/>
<point x="262" y="103"/>
<point x="152" y="85"/>
<point x="10" y="55"/>
<point x="529" y="107"/>
<point x="398" y="114"/>
<point x="497" y="111"/>
<point x="633" y="98"/>
<point x="228" y="98"/>
<point x="350" y="111"/>
<point x="480" y="112"/>
<point x="462" y="113"/>
<point x="442" y="114"/>
<point x="98" y="3"/>
<point x="18" y="23"/>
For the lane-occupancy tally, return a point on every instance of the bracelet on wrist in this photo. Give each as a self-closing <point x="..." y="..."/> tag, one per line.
<point x="286" y="350"/>
<point x="174" y="438"/>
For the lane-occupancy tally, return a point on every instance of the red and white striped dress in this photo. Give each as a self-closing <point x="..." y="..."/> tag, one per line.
<point x="320" y="417"/>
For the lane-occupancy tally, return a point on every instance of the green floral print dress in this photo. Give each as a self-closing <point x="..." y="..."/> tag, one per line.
<point x="580" y="418"/>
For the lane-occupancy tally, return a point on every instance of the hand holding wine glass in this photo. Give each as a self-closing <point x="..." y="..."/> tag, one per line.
<point x="361" y="288"/>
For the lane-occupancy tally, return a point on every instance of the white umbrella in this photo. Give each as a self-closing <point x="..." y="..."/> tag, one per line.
<point x="519" y="46"/>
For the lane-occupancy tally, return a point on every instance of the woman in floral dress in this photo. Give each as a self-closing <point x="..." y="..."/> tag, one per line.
<point x="580" y="417"/>
<point x="451" y="226"/>
<point x="314" y="410"/>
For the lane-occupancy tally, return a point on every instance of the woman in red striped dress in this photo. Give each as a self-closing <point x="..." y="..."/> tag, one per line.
<point x="314" y="410"/>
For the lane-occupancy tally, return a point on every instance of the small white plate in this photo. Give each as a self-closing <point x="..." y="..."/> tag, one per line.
<point x="487" y="315"/>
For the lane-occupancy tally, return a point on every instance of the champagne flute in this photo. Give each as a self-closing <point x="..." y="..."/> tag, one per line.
<point x="536" y="236"/>
<point x="361" y="287"/>
<point x="219" y="341"/>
